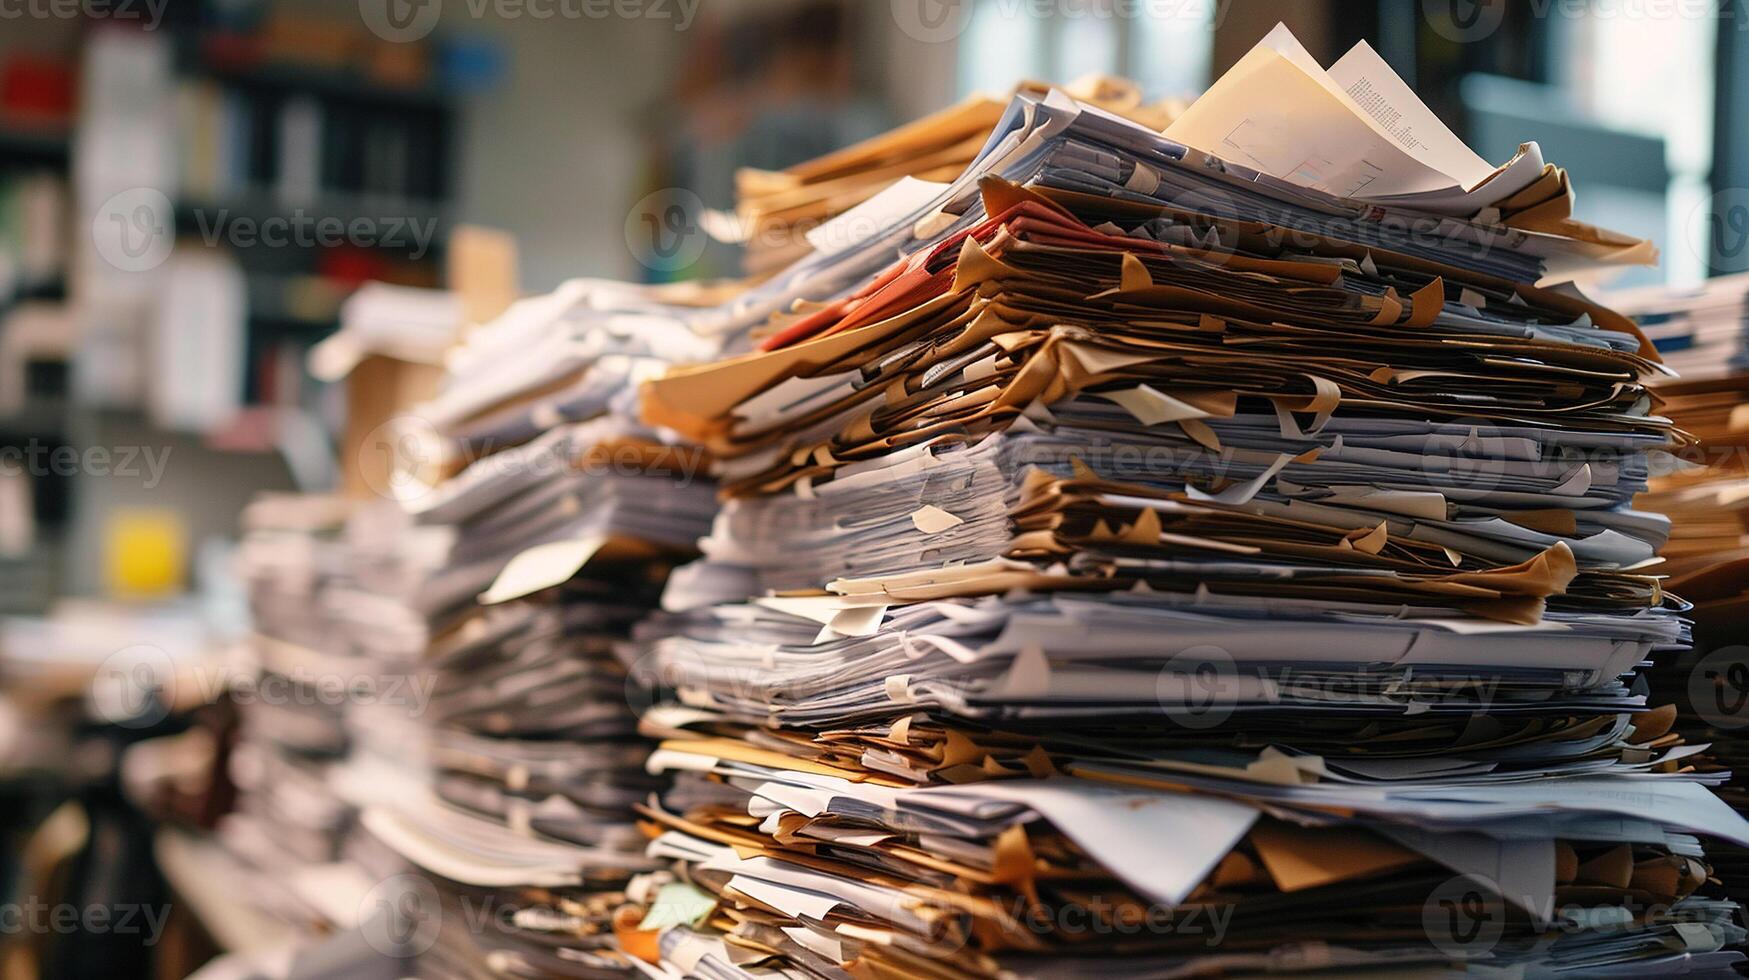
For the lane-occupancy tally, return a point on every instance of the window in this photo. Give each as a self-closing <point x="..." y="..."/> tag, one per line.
<point x="1624" y="100"/>
<point x="1165" y="46"/>
<point x="1653" y="76"/>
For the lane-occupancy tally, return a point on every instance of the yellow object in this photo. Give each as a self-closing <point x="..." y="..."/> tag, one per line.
<point x="145" y="553"/>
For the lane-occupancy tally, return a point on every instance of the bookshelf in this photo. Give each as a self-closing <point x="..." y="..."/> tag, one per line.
<point x="34" y="160"/>
<point x="280" y="148"/>
<point x="315" y="175"/>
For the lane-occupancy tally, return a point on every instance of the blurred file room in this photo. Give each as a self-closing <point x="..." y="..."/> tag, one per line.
<point x="195" y="196"/>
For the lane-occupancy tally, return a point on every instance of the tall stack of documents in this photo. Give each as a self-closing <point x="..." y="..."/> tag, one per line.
<point x="1209" y="551"/>
<point x="293" y="822"/>
<point x="553" y="517"/>
<point x="386" y="559"/>
<point x="332" y="712"/>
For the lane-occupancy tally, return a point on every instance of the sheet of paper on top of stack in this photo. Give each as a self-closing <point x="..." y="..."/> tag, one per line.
<point x="1232" y="524"/>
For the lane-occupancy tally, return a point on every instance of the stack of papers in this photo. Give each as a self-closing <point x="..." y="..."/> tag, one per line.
<point x="403" y="322"/>
<point x="1705" y="492"/>
<point x="311" y="703"/>
<point x="1704" y="489"/>
<point x="1699" y="330"/>
<point x="775" y="210"/>
<point x="552" y="517"/>
<point x="1146" y="529"/>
